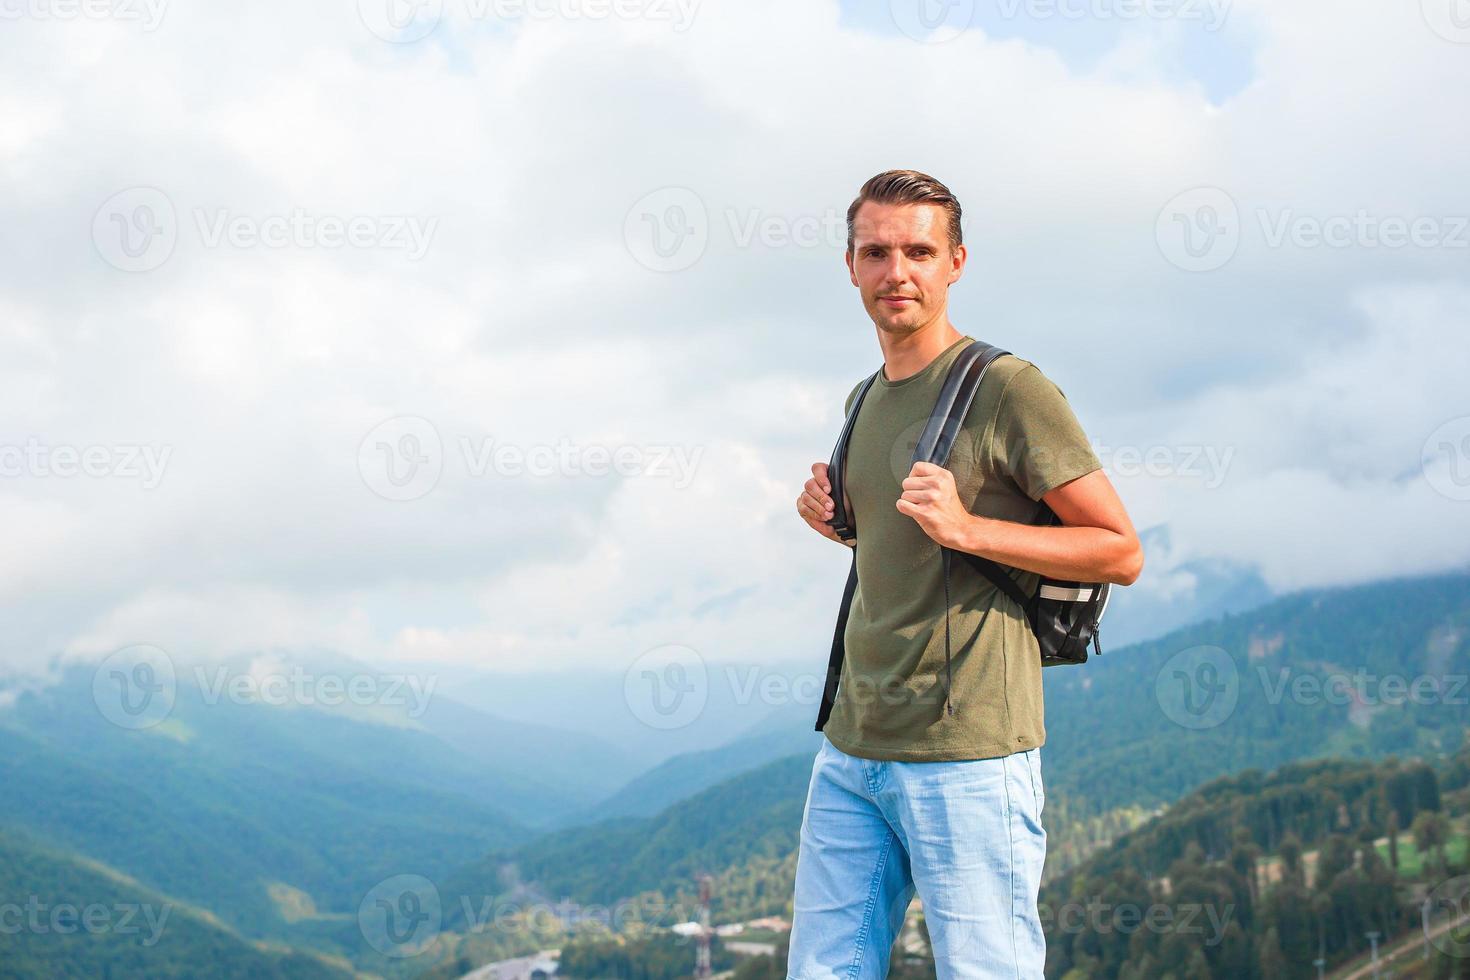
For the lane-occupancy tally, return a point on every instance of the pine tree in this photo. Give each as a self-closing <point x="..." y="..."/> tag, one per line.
<point x="1269" y="958"/>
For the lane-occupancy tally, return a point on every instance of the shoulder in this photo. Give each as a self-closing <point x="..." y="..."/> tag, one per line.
<point x="847" y="404"/>
<point x="1004" y="369"/>
<point x="1013" y="393"/>
<point x="1022" y="382"/>
<point x="995" y="388"/>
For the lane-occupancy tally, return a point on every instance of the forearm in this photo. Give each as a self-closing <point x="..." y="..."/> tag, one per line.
<point x="1082" y="554"/>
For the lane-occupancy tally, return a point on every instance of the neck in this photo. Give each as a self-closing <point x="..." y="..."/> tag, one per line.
<point x="907" y="354"/>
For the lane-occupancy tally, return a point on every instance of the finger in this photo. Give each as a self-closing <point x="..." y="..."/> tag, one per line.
<point x="820" y="506"/>
<point x="819" y="470"/>
<point x="813" y="488"/>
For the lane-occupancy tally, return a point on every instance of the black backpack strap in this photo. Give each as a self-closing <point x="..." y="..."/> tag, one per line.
<point x="834" y="662"/>
<point x="934" y="445"/>
<point x="953" y="403"/>
<point x="842" y="518"/>
<point x="937" y="441"/>
<point x="1003" y="579"/>
<point x="844" y="524"/>
<point x="999" y="576"/>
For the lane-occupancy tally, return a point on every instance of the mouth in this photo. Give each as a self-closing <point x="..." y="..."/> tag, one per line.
<point x="896" y="300"/>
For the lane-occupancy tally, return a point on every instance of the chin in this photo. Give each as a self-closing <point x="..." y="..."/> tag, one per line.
<point x="905" y="322"/>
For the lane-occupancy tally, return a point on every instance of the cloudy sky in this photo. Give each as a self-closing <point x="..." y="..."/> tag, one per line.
<point x="505" y="333"/>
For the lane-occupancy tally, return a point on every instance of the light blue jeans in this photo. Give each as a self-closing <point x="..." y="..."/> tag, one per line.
<point x="966" y="836"/>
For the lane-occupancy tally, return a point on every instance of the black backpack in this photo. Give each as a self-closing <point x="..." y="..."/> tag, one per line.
<point x="1063" y="615"/>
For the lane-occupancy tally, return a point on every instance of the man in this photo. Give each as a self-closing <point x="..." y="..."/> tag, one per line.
<point x="904" y="795"/>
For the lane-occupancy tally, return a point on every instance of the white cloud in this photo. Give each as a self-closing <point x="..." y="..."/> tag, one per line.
<point x="528" y="321"/>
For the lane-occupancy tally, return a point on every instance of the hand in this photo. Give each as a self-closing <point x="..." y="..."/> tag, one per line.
<point x="815" y="503"/>
<point x="929" y="497"/>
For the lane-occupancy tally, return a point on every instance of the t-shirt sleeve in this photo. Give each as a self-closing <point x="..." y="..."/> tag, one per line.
<point x="1038" y="439"/>
<point x="847" y="405"/>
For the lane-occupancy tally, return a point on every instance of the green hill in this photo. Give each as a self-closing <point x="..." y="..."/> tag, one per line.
<point x="70" y="918"/>
<point x="688" y="773"/>
<point x="751" y="821"/>
<point x="1138" y="726"/>
<point x="1252" y="875"/>
<point x="225" y="801"/>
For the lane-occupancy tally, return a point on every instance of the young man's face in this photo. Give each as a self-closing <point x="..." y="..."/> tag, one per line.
<point x="902" y="264"/>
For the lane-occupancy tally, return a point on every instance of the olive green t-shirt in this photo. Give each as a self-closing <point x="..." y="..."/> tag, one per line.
<point x="1019" y="441"/>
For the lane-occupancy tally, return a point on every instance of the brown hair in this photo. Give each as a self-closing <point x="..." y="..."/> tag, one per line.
<point x="907" y="187"/>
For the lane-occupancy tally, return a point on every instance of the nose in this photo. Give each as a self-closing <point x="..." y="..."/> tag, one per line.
<point x="896" y="272"/>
